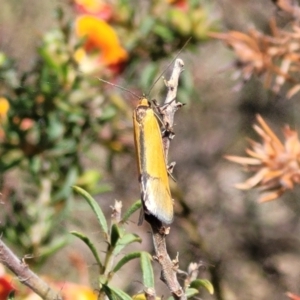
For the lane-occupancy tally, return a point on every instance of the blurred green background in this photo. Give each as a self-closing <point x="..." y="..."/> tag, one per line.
<point x="80" y="133"/>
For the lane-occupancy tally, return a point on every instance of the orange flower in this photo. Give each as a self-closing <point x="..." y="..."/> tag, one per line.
<point x="276" y="164"/>
<point x="96" y="8"/>
<point x="5" y="284"/>
<point x="180" y="4"/>
<point x="26" y="124"/>
<point x="68" y="291"/>
<point x="101" y="36"/>
<point x="4" y="107"/>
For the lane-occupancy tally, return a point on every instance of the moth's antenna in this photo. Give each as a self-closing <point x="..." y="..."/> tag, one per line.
<point x="120" y="87"/>
<point x="167" y="67"/>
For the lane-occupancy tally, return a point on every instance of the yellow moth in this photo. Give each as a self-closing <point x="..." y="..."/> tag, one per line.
<point x="153" y="174"/>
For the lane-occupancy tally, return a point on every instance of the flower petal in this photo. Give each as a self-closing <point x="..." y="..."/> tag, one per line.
<point x="243" y="160"/>
<point x="4" y="107"/>
<point x="269" y="196"/>
<point x="252" y="181"/>
<point x="101" y="36"/>
<point x="269" y="132"/>
<point x="98" y="8"/>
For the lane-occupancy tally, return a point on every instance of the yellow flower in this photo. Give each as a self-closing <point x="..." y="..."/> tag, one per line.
<point x="88" y="63"/>
<point x="142" y="296"/>
<point x="276" y="164"/>
<point x="101" y="36"/>
<point x="72" y="291"/>
<point x="4" y="107"/>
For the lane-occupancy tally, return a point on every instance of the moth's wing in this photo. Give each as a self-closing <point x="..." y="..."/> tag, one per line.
<point x="157" y="198"/>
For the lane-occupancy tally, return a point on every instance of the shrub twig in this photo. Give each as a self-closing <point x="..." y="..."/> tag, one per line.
<point x="159" y="231"/>
<point x="25" y="275"/>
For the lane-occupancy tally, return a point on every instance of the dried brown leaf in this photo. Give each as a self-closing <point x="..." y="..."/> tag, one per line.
<point x="293" y="91"/>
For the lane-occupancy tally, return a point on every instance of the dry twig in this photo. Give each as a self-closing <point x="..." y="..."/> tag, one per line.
<point x="25" y="275"/>
<point x="159" y="231"/>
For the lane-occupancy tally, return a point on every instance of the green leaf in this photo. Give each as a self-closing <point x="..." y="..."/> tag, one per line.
<point x="65" y="190"/>
<point x="95" y="207"/>
<point x="11" y="296"/>
<point x="133" y="208"/>
<point x="125" y="260"/>
<point x="100" y="189"/>
<point x="55" y="129"/>
<point x="89" y="178"/>
<point x="148" y="76"/>
<point x="148" y="277"/>
<point x="4" y="167"/>
<point x="114" y="235"/>
<point x="180" y="21"/>
<point x="190" y="292"/>
<point x="198" y="283"/>
<point x="54" y="246"/>
<point x="164" y="32"/>
<point x="126" y="240"/>
<point x="146" y="25"/>
<point x="87" y="241"/>
<point x="108" y="113"/>
<point x="115" y="294"/>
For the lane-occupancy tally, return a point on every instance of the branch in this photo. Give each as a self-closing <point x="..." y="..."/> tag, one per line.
<point x="168" y="267"/>
<point x="25" y="275"/>
<point x="159" y="231"/>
